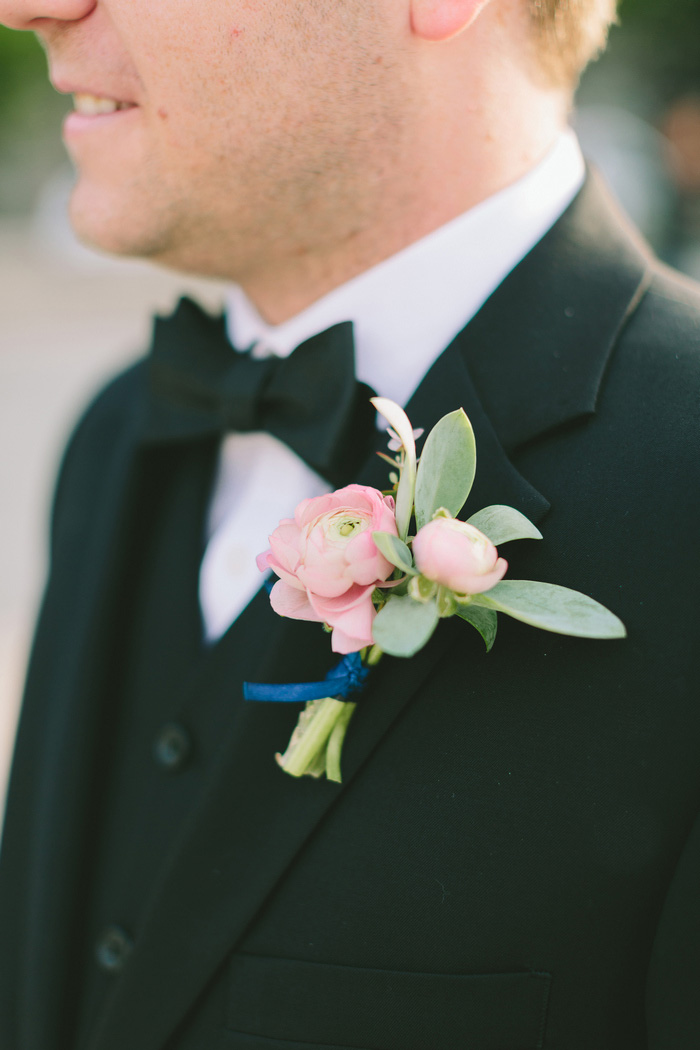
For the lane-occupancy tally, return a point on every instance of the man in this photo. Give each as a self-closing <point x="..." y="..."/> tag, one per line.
<point x="513" y="859"/>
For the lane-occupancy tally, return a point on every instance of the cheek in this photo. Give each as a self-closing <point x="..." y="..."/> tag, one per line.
<point x="202" y="93"/>
<point x="174" y="49"/>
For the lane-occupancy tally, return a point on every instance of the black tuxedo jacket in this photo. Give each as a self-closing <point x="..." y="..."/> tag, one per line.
<point x="513" y="859"/>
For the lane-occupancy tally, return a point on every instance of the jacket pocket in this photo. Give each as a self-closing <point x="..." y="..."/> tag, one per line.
<point x="346" y="1006"/>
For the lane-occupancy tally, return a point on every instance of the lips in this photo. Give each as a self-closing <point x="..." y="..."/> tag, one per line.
<point x="95" y="113"/>
<point x="94" y="99"/>
<point x="90" y="105"/>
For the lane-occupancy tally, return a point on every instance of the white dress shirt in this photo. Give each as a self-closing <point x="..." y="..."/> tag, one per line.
<point x="405" y="311"/>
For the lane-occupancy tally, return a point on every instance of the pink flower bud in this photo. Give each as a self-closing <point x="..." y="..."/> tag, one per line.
<point x="458" y="556"/>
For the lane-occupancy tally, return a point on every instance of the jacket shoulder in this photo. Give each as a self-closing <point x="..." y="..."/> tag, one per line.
<point x="650" y="401"/>
<point x="112" y="409"/>
<point x="108" y="421"/>
<point x="667" y="321"/>
<point x="659" y="349"/>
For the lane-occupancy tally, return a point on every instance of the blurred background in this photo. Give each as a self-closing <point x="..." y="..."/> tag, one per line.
<point x="69" y="317"/>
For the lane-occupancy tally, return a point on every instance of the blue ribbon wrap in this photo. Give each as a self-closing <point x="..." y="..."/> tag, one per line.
<point x="347" y="678"/>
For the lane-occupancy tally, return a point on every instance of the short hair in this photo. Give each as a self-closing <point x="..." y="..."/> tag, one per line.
<point x="569" y="34"/>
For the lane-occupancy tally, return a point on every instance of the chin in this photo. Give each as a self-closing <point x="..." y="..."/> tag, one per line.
<point x="106" y="222"/>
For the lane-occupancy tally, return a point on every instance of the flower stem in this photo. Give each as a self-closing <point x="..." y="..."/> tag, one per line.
<point x="335" y="742"/>
<point x="312" y="733"/>
<point x="374" y="656"/>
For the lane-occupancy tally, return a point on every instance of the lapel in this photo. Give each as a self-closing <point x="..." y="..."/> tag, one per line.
<point x="532" y="360"/>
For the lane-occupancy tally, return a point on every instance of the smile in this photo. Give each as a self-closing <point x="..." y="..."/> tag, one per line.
<point x="94" y="105"/>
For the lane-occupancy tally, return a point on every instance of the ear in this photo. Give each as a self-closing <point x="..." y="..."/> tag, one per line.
<point x="441" y="19"/>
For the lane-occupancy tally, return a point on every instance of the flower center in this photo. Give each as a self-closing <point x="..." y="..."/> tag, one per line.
<point x="345" y="526"/>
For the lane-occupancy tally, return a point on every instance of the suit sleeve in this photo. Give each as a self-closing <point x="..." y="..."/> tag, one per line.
<point x="84" y="469"/>
<point x="673" y="987"/>
<point x="18" y="830"/>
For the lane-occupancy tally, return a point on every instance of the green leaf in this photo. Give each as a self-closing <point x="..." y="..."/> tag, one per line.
<point x="552" y="608"/>
<point x="403" y="626"/>
<point x="485" y="621"/>
<point x="502" y="524"/>
<point x="395" y="551"/>
<point x="447" y="467"/>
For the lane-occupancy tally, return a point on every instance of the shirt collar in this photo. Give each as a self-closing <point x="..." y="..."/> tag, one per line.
<point x="409" y="307"/>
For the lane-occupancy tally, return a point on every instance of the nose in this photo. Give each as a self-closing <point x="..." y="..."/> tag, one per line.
<point x="30" y="14"/>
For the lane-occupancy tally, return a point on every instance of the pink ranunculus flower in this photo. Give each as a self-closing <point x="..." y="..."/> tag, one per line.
<point x="328" y="564"/>
<point x="458" y="556"/>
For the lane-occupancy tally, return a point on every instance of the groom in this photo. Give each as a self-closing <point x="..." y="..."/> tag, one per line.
<point x="513" y="858"/>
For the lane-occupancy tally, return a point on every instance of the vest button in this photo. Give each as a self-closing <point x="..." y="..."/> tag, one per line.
<point x="172" y="747"/>
<point x="112" y="949"/>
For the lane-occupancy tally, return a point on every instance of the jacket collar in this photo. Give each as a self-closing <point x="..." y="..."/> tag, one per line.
<point x="532" y="360"/>
<point x="539" y="347"/>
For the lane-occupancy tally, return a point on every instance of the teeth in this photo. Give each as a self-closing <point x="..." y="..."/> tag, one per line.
<point x="92" y="105"/>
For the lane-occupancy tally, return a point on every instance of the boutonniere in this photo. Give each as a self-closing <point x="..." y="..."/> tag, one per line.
<point x="348" y="561"/>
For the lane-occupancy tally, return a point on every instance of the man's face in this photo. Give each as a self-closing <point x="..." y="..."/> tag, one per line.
<point x="246" y="129"/>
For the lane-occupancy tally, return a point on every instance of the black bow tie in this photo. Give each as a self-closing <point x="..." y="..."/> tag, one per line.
<point x="200" y="387"/>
